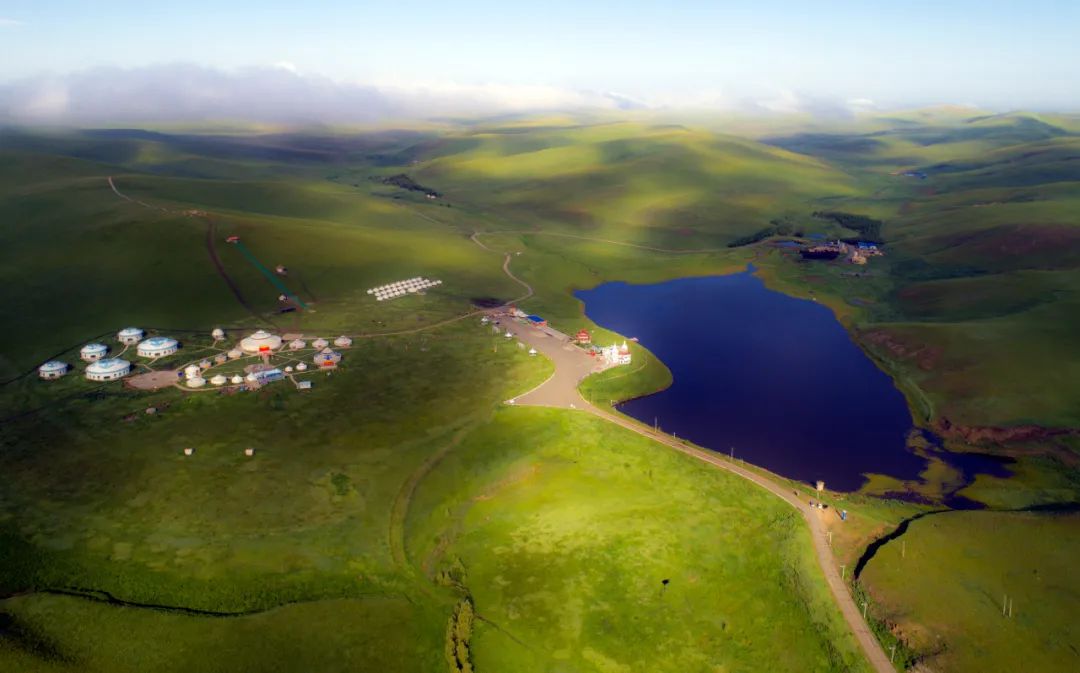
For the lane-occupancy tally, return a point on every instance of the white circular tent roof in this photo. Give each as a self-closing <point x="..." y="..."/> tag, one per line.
<point x="93" y="348"/>
<point x="261" y="341"/>
<point x="158" y="343"/>
<point x="130" y="332"/>
<point x="53" y="366"/>
<point x="108" y="366"/>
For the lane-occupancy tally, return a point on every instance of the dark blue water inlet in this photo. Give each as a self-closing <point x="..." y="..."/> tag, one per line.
<point x="774" y="377"/>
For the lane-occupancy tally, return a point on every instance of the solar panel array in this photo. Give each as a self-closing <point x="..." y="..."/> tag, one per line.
<point x="402" y="288"/>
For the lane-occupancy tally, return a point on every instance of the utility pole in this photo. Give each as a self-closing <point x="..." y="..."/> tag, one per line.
<point x="829" y="533"/>
<point x="1010" y="608"/>
<point x="864" y="609"/>
<point x="903" y="548"/>
<point x="843" y="571"/>
<point x="892" y="652"/>
<point x="733" y="454"/>
<point x="1004" y="604"/>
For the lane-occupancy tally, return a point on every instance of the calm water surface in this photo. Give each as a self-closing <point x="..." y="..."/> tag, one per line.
<point x="773" y="377"/>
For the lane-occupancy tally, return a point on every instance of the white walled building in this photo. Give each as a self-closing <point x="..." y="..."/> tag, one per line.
<point x="53" y="369"/>
<point x="109" y="369"/>
<point x="260" y="342"/>
<point x="157" y="347"/>
<point x="616" y="355"/>
<point x="93" y="352"/>
<point x="130" y="336"/>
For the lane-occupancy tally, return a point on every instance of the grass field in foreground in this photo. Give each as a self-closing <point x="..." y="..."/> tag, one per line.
<point x="943" y="582"/>
<point x="72" y="634"/>
<point x="587" y="547"/>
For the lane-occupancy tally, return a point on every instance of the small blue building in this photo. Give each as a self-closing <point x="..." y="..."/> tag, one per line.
<point x="537" y="321"/>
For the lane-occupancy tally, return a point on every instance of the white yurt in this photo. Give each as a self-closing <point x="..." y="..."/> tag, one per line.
<point x="343" y="341"/>
<point x="235" y="354"/>
<point x="260" y="342"/>
<point x="302" y="367"/>
<point x="251" y="378"/>
<point x="192" y="372"/>
<point x="205" y="364"/>
<point x="157" y="347"/>
<point x="237" y="379"/>
<point x="53" y="369"/>
<point x="327" y="358"/>
<point x="92" y="352"/>
<point x="320" y="344"/>
<point x="288" y="369"/>
<point x="129" y="336"/>
<point x="218" y="334"/>
<point x="108" y="369"/>
<point x="220" y="359"/>
<point x="508" y="335"/>
<point x="297" y="344"/>
<point x="532" y="351"/>
<point x="219" y="380"/>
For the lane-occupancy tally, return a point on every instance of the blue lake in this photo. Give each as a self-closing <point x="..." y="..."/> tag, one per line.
<point x="775" y="378"/>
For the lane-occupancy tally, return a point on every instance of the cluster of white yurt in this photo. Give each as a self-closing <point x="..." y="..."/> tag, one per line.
<point x="157" y="347"/>
<point x="343" y="341"/>
<point x="130" y="336"/>
<point x="260" y="342"/>
<point x="53" y="369"/>
<point x="93" y="352"/>
<point x="402" y="288"/>
<point x="108" y="369"/>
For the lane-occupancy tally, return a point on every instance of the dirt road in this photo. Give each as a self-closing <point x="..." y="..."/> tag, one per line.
<point x="560" y="390"/>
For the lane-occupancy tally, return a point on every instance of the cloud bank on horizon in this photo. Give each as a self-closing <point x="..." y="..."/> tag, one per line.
<point x="282" y="94"/>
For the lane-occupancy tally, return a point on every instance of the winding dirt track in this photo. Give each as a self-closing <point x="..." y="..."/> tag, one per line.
<point x="561" y="391"/>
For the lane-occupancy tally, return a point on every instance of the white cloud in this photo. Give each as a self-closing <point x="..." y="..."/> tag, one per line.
<point x="9" y="23"/>
<point x="281" y="93"/>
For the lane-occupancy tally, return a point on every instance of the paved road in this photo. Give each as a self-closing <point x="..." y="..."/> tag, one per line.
<point x="572" y="364"/>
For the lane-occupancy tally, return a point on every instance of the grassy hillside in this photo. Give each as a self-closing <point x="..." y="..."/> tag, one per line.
<point x="981" y="301"/>
<point x="944" y="581"/>
<point x="662" y="185"/>
<point x="387" y="497"/>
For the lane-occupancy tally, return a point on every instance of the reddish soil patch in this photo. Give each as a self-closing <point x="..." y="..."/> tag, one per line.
<point x="988" y="434"/>
<point x="1031" y="245"/>
<point x="925" y="357"/>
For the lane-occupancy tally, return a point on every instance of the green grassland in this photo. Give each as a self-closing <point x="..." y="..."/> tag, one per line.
<point x="326" y="523"/>
<point x="586" y="549"/>
<point x="943" y="582"/>
<point x="397" y="487"/>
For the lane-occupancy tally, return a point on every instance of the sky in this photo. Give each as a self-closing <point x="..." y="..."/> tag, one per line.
<point x="404" y="57"/>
